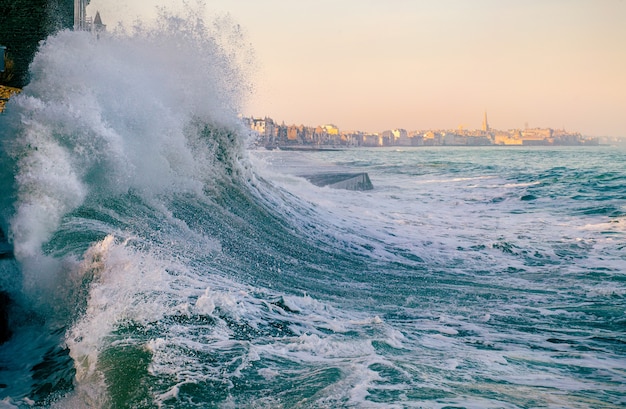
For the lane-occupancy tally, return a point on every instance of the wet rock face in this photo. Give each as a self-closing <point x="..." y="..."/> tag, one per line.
<point x="23" y="25"/>
<point x="5" y="331"/>
<point x="6" y="251"/>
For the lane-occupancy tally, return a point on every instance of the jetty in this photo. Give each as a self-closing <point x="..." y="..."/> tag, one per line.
<point x="349" y="181"/>
<point x="306" y="148"/>
<point x="316" y="172"/>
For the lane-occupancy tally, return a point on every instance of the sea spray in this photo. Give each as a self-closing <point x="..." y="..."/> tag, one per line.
<point x="102" y="116"/>
<point x="145" y="114"/>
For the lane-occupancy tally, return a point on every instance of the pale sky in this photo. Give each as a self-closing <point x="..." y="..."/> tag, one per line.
<point x="373" y="65"/>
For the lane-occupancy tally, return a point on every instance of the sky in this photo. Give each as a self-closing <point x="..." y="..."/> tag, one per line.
<point x="374" y="65"/>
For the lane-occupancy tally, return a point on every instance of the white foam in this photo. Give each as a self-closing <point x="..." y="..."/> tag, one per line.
<point x="104" y="116"/>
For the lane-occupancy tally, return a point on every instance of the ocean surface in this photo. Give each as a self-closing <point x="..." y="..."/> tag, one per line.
<point x="159" y="263"/>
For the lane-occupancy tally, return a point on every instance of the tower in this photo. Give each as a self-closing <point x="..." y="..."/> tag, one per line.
<point x="80" y="15"/>
<point x="485" y="123"/>
<point x="84" y="23"/>
<point x="97" y="26"/>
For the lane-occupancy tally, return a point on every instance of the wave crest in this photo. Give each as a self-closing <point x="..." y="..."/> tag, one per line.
<point x="152" y="111"/>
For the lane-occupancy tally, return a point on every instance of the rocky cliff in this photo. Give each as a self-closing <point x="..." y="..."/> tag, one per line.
<point x="23" y="24"/>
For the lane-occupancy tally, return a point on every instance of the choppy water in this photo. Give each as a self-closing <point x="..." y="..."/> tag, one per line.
<point x="498" y="273"/>
<point x="160" y="264"/>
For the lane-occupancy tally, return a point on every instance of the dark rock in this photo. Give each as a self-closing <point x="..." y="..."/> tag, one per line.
<point x="5" y="331"/>
<point x="23" y="24"/>
<point x="5" y="301"/>
<point x="6" y="251"/>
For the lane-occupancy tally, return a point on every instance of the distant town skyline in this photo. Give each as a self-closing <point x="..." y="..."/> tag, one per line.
<point x="270" y="133"/>
<point x="376" y="65"/>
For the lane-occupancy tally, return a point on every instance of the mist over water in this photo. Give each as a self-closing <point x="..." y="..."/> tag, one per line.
<point x="160" y="264"/>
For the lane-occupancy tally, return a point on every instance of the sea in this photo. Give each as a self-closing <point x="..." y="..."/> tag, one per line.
<point x="161" y="262"/>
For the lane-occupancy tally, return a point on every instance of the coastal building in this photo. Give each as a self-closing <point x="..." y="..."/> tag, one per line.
<point x="264" y="128"/>
<point x="432" y="138"/>
<point x="271" y="135"/>
<point x="293" y="132"/>
<point x="84" y="23"/>
<point x="320" y="135"/>
<point x="507" y="138"/>
<point x="536" y="136"/>
<point x="452" y="139"/>
<point x="417" y="138"/>
<point x="563" y="137"/>
<point x="331" y="129"/>
<point x="81" y="21"/>
<point x="388" y="138"/>
<point x="481" y="140"/>
<point x="351" y="138"/>
<point x="401" y="137"/>
<point x="372" y="140"/>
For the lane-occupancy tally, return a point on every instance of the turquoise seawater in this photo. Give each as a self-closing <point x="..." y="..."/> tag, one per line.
<point x="160" y="264"/>
<point x="496" y="273"/>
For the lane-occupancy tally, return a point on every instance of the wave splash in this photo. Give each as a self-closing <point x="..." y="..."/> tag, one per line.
<point x="100" y="153"/>
<point x="122" y="112"/>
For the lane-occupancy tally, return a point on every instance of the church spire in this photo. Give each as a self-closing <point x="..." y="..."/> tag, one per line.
<point x="485" y="123"/>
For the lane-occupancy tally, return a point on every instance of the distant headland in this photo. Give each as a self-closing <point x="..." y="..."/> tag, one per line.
<point x="268" y="133"/>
